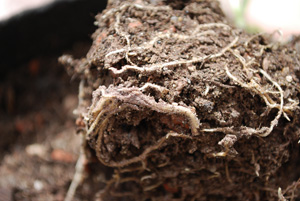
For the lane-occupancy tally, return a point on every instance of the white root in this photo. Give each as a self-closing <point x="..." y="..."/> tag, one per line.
<point x="143" y="156"/>
<point x="211" y="25"/>
<point x="126" y="36"/>
<point x="160" y="89"/>
<point x="159" y="67"/>
<point x="162" y="35"/>
<point x="79" y="168"/>
<point x="256" y="88"/>
<point x="113" y="102"/>
<point x="137" y="98"/>
<point x="79" y="172"/>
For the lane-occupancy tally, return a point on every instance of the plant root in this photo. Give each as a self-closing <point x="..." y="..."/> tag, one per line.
<point x="79" y="171"/>
<point x="153" y="83"/>
<point x="156" y="68"/>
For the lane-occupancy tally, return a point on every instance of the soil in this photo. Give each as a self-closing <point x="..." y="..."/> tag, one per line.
<point x="174" y="103"/>
<point x="180" y="105"/>
<point x="39" y="146"/>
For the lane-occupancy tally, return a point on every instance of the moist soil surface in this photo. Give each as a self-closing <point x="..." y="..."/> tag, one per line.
<point x="174" y="103"/>
<point x="39" y="146"/>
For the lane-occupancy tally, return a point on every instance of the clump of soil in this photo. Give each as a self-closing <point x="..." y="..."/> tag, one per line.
<point x="180" y="105"/>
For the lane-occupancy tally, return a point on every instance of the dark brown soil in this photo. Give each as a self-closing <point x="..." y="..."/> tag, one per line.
<point x="38" y="146"/>
<point x="180" y="105"/>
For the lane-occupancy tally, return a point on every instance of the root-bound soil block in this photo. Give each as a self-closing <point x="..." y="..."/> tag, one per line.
<point x="180" y="105"/>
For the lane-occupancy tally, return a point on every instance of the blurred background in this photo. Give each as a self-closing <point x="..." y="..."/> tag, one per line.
<point x="41" y="27"/>
<point x="266" y="15"/>
<point x="38" y="146"/>
<point x="9" y="8"/>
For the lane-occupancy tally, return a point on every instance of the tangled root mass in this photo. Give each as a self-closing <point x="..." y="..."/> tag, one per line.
<point x="183" y="106"/>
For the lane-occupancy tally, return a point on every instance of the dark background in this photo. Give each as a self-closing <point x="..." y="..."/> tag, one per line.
<point x="46" y="30"/>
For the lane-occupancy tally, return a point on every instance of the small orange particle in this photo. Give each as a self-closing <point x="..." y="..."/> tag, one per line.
<point x="180" y="120"/>
<point x="170" y="188"/>
<point x="80" y="122"/>
<point x="172" y="29"/>
<point x="100" y="37"/>
<point x="134" y="24"/>
<point x="23" y="126"/>
<point x="34" y="67"/>
<point x="62" y="156"/>
<point x="39" y="120"/>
